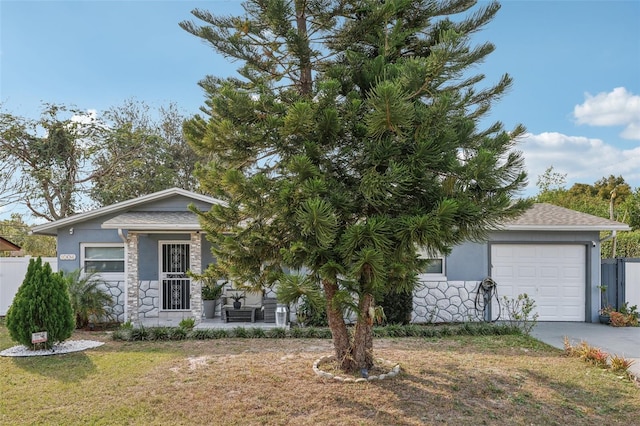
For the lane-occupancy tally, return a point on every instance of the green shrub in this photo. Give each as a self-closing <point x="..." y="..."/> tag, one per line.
<point x="90" y="303"/>
<point x="240" y="332"/>
<point x="310" y="314"/>
<point x="139" y="334"/>
<point x="256" y="333"/>
<point x="188" y="323"/>
<point x="41" y="304"/>
<point x="396" y="330"/>
<point x="298" y="332"/>
<point x="201" y="334"/>
<point x="397" y="306"/>
<point x="380" y="332"/>
<point x="220" y="333"/>
<point x="122" y="334"/>
<point x="277" y="333"/>
<point x="520" y="312"/>
<point x="158" y="333"/>
<point x="178" y="333"/>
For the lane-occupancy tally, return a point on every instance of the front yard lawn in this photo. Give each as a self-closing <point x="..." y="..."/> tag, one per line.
<point x="464" y="380"/>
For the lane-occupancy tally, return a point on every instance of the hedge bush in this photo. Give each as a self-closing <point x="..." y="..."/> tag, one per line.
<point x="395" y="330"/>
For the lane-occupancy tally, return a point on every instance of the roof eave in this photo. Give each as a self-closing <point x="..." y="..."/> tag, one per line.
<point x="565" y="228"/>
<point x="143" y="227"/>
<point x="51" y="228"/>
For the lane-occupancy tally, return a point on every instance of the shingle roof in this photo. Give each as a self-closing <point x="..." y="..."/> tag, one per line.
<point x="51" y="228"/>
<point x="8" y="245"/>
<point x="154" y="221"/>
<point x="542" y="216"/>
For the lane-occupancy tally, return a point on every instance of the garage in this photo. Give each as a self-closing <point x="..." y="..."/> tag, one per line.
<point x="554" y="275"/>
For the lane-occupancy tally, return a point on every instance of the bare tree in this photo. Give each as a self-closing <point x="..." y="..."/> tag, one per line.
<point x="45" y="164"/>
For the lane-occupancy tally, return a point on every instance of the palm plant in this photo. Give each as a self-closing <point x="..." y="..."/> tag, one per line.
<point x="89" y="301"/>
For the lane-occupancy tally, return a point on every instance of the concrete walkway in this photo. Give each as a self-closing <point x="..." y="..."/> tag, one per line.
<point x="622" y="341"/>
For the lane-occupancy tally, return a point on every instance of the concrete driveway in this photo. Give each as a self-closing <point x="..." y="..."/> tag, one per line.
<point x="622" y="341"/>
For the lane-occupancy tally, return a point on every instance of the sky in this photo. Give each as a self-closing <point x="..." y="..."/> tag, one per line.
<point x="575" y="65"/>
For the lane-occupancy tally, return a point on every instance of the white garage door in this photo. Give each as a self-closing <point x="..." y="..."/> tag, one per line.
<point x="553" y="275"/>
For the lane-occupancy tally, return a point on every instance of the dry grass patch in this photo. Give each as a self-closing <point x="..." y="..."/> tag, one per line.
<point x="491" y="380"/>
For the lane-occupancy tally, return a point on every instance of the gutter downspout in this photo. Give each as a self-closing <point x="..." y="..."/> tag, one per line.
<point x="126" y="275"/>
<point x="613" y="234"/>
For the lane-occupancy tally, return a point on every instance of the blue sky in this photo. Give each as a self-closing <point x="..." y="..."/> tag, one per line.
<point x="576" y="66"/>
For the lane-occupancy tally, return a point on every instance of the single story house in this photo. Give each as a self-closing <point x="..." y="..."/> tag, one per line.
<point x="550" y="253"/>
<point x="143" y="247"/>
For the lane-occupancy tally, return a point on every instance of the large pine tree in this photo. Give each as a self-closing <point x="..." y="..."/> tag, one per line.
<point x="349" y="140"/>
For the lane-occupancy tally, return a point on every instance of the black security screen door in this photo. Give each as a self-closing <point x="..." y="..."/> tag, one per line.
<point x="176" y="286"/>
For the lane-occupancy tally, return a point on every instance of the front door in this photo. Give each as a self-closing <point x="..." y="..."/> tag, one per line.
<point x="175" y="285"/>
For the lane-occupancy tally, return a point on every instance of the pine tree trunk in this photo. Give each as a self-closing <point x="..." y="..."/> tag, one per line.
<point x="339" y="332"/>
<point x="362" y="346"/>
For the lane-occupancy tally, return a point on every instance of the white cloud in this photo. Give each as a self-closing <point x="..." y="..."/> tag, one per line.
<point x="88" y="118"/>
<point x="582" y="159"/>
<point x="616" y="108"/>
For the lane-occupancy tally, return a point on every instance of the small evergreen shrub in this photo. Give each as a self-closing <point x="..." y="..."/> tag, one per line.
<point x="297" y="332"/>
<point x="188" y="323"/>
<point x="41" y="304"/>
<point x="158" y="333"/>
<point x="122" y="334"/>
<point x="240" y="332"/>
<point x="178" y="333"/>
<point x="256" y="333"/>
<point x="220" y="334"/>
<point x="139" y="334"/>
<point x="397" y="306"/>
<point x="380" y="332"/>
<point x="201" y="334"/>
<point x="277" y="333"/>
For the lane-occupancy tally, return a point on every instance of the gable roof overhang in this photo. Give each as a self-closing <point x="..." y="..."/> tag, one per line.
<point x="154" y="221"/>
<point x="548" y="217"/>
<point x="6" y="245"/>
<point x="51" y="228"/>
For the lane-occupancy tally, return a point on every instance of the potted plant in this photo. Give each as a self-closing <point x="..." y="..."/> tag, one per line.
<point x="605" y="315"/>
<point x="237" y="297"/>
<point x="211" y="292"/>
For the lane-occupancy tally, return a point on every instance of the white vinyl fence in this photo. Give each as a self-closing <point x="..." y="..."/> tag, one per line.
<point x="12" y="272"/>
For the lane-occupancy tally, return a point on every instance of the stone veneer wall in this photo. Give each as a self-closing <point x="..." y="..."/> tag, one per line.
<point x="149" y="292"/>
<point x="433" y="301"/>
<point x="149" y="299"/>
<point x="445" y="301"/>
<point x="116" y="290"/>
<point x="132" y="277"/>
<point x="195" y="262"/>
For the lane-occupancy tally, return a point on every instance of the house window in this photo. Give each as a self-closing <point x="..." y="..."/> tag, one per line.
<point x="435" y="268"/>
<point x="103" y="258"/>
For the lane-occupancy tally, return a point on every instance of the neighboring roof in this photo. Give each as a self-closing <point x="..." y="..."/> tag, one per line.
<point x="544" y="216"/>
<point x="6" y="245"/>
<point x="51" y="228"/>
<point x="154" y="221"/>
